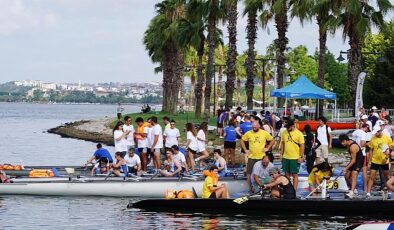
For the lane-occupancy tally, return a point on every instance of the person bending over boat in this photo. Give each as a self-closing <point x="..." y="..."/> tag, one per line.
<point x="210" y="187"/>
<point x="356" y="163"/>
<point x="220" y="162"/>
<point x="281" y="187"/>
<point x="120" y="168"/>
<point x="260" y="173"/>
<point x="133" y="162"/>
<point x="201" y="138"/>
<point x="103" y="160"/>
<point x="318" y="173"/>
<point x="172" y="167"/>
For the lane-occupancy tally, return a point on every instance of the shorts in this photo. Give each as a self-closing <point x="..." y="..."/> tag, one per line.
<point x="143" y="150"/>
<point x="220" y="125"/>
<point x="250" y="164"/>
<point x="132" y="170"/>
<point x="246" y="146"/>
<point x="384" y="167"/>
<point x="290" y="166"/>
<point x="156" y="150"/>
<point x="212" y="196"/>
<point x="322" y="151"/>
<point x="192" y="151"/>
<point x="229" y="145"/>
<point x="358" y="165"/>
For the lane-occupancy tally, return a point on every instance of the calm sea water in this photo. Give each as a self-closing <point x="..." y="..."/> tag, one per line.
<point x="23" y="139"/>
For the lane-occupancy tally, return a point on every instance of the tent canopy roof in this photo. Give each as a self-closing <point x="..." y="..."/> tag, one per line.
<point x="303" y="88"/>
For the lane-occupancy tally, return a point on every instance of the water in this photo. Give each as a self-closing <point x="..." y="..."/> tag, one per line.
<point x="23" y="139"/>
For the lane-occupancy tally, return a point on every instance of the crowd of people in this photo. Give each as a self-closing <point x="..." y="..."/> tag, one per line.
<point x="257" y="134"/>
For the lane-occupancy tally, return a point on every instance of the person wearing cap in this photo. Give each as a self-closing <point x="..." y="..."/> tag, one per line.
<point x="374" y="113"/>
<point x="364" y="120"/>
<point x="281" y="186"/>
<point x="323" y="139"/>
<point x="378" y="159"/>
<point x="292" y="151"/>
<point x="257" y="139"/>
<point x="372" y="118"/>
<point x="380" y="124"/>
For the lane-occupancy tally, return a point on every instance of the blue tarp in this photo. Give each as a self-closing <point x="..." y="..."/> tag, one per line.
<point x="303" y="88"/>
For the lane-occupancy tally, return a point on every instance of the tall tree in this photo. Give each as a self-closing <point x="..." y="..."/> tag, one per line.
<point x="356" y="20"/>
<point x="232" y="53"/>
<point x="161" y="41"/>
<point x="252" y="7"/>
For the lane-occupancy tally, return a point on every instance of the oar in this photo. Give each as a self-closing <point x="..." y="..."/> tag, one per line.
<point x="322" y="184"/>
<point x="109" y="173"/>
<point x="243" y="199"/>
<point x="194" y="192"/>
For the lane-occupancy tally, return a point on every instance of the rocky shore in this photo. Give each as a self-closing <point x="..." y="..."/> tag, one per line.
<point x="97" y="131"/>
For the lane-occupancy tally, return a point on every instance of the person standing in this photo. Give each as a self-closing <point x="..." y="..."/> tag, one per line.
<point x="120" y="138"/>
<point x="379" y="151"/>
<point x="310" y="154"/>
<point x="191" y="144"/>
<point x="257" y="139"/>
<point x="360" y="136"/>
<point x="230" y="138"/>
<point x="241" y="130"/>
<point x="156" y="137"/>
<point x="141" y="135"/>
<point x="166" y="121"/>
<point x="292" y="151"/>
<point x="171" y="135"/>
<point x="323" y="139"/>
<point x="267" y="127"/>
<point x="201" y="138"/>
<point x="355" y="165"/>
<point x="119" y="111"/>
<point x="129" y="129"/>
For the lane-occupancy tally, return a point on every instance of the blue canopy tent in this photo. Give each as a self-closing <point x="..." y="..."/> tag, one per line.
<point x="303" y="88"/>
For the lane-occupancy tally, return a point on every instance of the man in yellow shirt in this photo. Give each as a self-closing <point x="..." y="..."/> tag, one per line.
<point x="378" y="159"/>
<point x="257" y="139"/>
<point x="210" y="188"/>
<point x="292" y="151"/>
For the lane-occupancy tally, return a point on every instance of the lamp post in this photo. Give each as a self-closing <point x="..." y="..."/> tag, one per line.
<point x="214" y="87"/>
<point x="263" y="83"/>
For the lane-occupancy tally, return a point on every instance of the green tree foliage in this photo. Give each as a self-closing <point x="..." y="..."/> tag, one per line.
<point x="302" y="63"/>
<point x="336" y="79"/>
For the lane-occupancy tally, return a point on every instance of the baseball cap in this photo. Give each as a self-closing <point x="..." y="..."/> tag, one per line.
<point x="374" y="107"/>
<point x="364" y="117"/>
<point x="376" y="129"/>
<point x="365" y="126"/>
<point x="379" y="122"/>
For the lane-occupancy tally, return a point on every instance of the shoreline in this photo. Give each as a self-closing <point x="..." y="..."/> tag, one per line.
<point x="95" y="131"/>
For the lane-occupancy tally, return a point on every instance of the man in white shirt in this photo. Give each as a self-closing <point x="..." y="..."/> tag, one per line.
<point x="180" y="157"/>
<point x="324" y="140"/>
<point x="260" y="172"/>
<point x="156" y="138"/>
<point x="133" y="162"/>
<point x="364" y="119"/>
<point x="129" y="129"/>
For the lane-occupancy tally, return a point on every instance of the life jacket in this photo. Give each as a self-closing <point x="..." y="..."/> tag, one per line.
<point x="41" y="173"/>
<point x="141" y="129"/>
<point x="213" y="176"/>
<point x="11" y="167"/>
<point x="182" y="194"/>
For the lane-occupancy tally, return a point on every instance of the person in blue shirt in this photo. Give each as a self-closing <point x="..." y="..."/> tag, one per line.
<point x="242" y="129"/>
<point x="103" y="159"/>
<point x="230" y="137"/>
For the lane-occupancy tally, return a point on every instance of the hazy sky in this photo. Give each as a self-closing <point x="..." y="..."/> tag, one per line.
<point x="99" y="40"/>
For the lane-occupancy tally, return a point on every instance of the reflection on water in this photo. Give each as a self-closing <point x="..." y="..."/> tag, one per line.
<point x="23" y="138"/>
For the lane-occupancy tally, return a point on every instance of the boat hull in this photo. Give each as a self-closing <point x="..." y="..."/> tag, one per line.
<point x="269" y="206"/>
<point x="332" y="125"/>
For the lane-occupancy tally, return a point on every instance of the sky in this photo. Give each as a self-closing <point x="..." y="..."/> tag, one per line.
<point x="96" y="41"/>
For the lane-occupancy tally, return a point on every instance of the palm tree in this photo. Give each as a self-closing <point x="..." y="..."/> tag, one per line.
<point x="191" y="61"/>
<point x="278" y="10"/>
<point x="252" y="7"/>
<point x="221" y="53"/>
<point x="232" y="53"/>
<point x="161" y="41"/>
<point x="356" y="19"/>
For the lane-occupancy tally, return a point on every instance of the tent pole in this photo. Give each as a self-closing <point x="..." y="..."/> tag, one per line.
<point x="285" y="106"/>
<point x="317" y="111"/>
<point x="336" y="110"/>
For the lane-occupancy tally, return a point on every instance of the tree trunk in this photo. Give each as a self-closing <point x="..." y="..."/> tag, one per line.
<point x="250" y="60"/>
<point x="238" y="92"/>
<point x="211" y="55"/>
<point x="281" y="45"/>
<point x="322" y="62"/>
<point x="198" y="93"/>
<point x="232" y="54"/>
<point x="193" y="87"/>
<point x="218" y="88"/>
<point x="355" y="67"/>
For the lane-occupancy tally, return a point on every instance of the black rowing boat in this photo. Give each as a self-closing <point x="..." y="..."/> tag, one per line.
<point x="270" y="206"/>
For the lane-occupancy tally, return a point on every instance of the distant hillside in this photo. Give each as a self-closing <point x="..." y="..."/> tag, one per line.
<point x="10" y="87"/>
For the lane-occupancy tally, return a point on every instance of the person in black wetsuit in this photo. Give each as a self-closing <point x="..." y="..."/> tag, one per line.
<point x="356" y="163"/>
<point x="310" y="154"/>
<point x="281" y="186"/>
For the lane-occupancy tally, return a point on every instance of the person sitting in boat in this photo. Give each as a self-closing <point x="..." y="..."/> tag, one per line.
<point x="220" y="162"/>
<point x="172" y="167"/>
<point x="133" y="162"/>
<point x="281" y="186"/>
<point x="103" y="160"/>
<point x="120" y="168"/>
<point x="318" y="173"/>
<point x="180" y="157"/>
<point x="210" y="187"/>
<point x="260" y="172"/>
